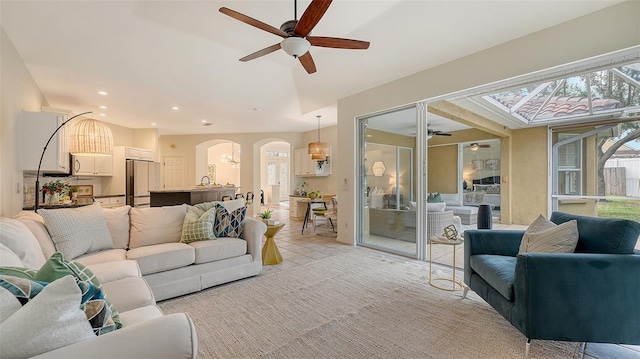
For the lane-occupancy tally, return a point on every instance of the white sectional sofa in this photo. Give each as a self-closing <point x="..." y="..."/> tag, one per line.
<point x="144" y="262"/>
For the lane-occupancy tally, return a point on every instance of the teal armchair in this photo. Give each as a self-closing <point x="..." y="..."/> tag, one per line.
<point x="592" y="295"/>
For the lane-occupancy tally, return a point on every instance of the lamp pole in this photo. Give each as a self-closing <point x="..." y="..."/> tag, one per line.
<point x="42" y="156"/>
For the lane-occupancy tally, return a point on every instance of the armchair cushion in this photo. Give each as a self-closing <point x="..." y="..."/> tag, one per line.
<point x="498" y="271"/>
<point x="602" y="235"/>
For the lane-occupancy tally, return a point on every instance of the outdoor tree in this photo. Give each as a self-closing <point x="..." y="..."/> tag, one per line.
<point x="630" y="132"/>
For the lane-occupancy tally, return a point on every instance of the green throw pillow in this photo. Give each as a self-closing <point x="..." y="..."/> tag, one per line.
<point x="57" y="267"/>
<point x="229" y="224"/>
<point x="434" y="198"/>
<point x="198" y="228"/>
<point x="27" y="273"/>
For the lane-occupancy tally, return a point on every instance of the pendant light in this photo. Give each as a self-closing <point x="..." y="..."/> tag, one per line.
<point x="318" y="150"/>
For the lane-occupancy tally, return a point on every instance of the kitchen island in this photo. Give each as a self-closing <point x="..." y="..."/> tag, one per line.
<point x="190" y="196"/>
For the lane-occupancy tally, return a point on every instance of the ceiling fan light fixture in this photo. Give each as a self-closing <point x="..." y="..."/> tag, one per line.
<point x="295" y="46"/>
<point x="474" y="147"/>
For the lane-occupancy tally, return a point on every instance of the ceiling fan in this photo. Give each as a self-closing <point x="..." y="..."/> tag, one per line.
<point x="296" y="34"/>
<point x="431" y="133"/>
<point x="475" y="146"/>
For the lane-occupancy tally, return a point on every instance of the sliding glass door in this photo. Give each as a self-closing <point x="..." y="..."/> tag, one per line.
<point x="389" y="216"/>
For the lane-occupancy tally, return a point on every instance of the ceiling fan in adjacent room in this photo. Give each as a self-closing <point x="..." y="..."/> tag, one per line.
<point x="431" y="133"/>
<point x="297" y="40"/>
<point x="475" y="146"/>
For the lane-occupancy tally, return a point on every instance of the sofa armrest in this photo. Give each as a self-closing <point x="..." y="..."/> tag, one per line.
<point x="483" y="241"/>
<point x="581" y="297"/>
<point x="252" y="233"/>
<point x="171" y="336"/>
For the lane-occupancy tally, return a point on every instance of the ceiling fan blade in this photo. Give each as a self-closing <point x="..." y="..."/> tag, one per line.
<point x="338" y="43"/>
<point x="262" y="52"/>
<point x="442" y="134"/>
<point x="253" y="22"/>
<point x="307" y="62"/>
<point x="311" y="16"/>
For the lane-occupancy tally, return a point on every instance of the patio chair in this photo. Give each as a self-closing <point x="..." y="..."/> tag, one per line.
<point x="226" y="198"/>
<point x="249" y="198"/>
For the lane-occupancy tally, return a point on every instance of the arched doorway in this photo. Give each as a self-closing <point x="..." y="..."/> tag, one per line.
<point x="275" y="177"/>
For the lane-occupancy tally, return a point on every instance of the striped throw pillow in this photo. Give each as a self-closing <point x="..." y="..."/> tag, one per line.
<point x="544" y="236"/>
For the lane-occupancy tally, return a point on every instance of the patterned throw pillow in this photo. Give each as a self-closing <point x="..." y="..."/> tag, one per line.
<point x="19" y="272"/>
<point x="57" y="267"/>
<point x="544" y="236"/>
<point x="229" y="224"/>
<point x="76" y="231"/>
<point x="198" y="228"/>
<point x="93" y="302"/>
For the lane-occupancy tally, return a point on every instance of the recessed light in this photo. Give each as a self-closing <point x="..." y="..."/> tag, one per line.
<point x="102" y="93"/>
<point x="203" y="121"/>
<point x="102" y="114"/>
<point x="175" y="108"/>
<point x="103" y="107"/>
<point x="154" y="124"/>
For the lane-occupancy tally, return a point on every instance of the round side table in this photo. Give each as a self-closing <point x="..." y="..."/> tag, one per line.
<point x="455" y="284"/>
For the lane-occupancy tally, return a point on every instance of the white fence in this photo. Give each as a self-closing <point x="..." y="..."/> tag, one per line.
<point x="632" y="166"/>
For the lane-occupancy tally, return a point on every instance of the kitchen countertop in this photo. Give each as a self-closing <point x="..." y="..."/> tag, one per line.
<point x="194" y="189"/>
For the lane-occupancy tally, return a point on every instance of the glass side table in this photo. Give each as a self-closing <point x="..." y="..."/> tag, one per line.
<point x="455" y="284"/>
<point x="270" y="252"/>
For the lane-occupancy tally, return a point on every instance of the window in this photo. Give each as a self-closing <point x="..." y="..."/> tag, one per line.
<point x="569" y="166"/>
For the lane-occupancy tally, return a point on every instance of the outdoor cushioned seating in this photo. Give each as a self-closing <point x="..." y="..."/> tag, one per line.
<point x="590" y="295"/>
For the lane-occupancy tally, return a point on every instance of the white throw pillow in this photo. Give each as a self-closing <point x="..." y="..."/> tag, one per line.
<point x="76" y="231"/>
<point x="9" y="304"/>
<point x="436" y="207"/>
<point x="19" y="240"/>
<point x="544" y="236"/>
<point x="118" y="224"/>
<point x="51" y="320"/>
<point x="156" y="225"/>
<point x="232" y="205"/>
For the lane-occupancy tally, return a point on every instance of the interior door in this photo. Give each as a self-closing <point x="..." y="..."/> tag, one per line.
<point x="278" y="174"/>
<point x="174" y="170"/>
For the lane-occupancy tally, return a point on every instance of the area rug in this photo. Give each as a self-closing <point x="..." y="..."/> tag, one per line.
<point x="360" y="304"/>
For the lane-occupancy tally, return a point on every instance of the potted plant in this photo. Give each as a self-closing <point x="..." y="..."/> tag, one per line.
<point x="265" y="215"/>
<point x="55" y="189"/>
<point x="74" y="192"/>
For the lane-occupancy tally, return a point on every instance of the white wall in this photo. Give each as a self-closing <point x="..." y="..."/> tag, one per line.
<point x="225" y="172"/>
<point x="18" y="92"/>
<point x="601" y="32"/>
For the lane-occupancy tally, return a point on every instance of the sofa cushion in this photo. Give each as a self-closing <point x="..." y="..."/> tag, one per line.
<point x="229" y="223"/>
<point x="436" y="207"/>
<point x="602" y="235"/>
<point x="36" y="225"/>
<point x="544" y="236"/>
<point x="162" y="257"/>
<point x="139" y="315"/>
<point x="18" y="239"/>
<point x="498" y="271"/>
<point x="116" y="270"/>
<point x="118" y="224"/>
<point x="198" y="227"/>
<point x="52" y="320"/>
<point x="221" y="248"/>
<point x="129" y="293"/>
<point x="76" y="231"/>
<point x="156" y="225"/>
<point x="111" y="255"/>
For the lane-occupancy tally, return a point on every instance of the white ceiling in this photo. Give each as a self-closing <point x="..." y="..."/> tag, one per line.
<point x="152" y="55"/>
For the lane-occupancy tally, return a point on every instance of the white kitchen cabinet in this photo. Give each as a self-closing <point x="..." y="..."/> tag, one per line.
<point x="92" y="165"/>
<point x="297" y="207"/>
<point x="35" y="130"/>
<point x="304" y="166"/>
<point x="111" y="202"/>
<point x="132" y="153"/>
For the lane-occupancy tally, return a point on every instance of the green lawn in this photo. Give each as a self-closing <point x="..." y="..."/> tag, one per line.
<point x="620" y="208"/>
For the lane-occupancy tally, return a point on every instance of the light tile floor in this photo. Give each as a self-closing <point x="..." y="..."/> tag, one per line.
<point x="298" y="249"/>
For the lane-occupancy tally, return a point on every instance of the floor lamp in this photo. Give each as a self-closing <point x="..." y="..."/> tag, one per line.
<point x="89" y="137"/>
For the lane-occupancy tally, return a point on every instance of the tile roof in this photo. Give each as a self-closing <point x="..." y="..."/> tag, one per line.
<point x="557" y="106"/>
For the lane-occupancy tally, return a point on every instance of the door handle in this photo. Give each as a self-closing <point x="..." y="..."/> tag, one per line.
<point x="77" y="165"/>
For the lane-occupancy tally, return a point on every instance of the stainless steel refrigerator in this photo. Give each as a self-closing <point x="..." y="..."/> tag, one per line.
<point x="142" y="177"/>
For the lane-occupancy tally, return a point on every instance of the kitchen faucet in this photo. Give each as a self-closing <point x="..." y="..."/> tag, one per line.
<point x="208" y="180"/>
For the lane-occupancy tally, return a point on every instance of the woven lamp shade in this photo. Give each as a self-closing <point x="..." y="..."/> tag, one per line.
<point x="90" y="137"/>
<point x="318" y="150"/>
